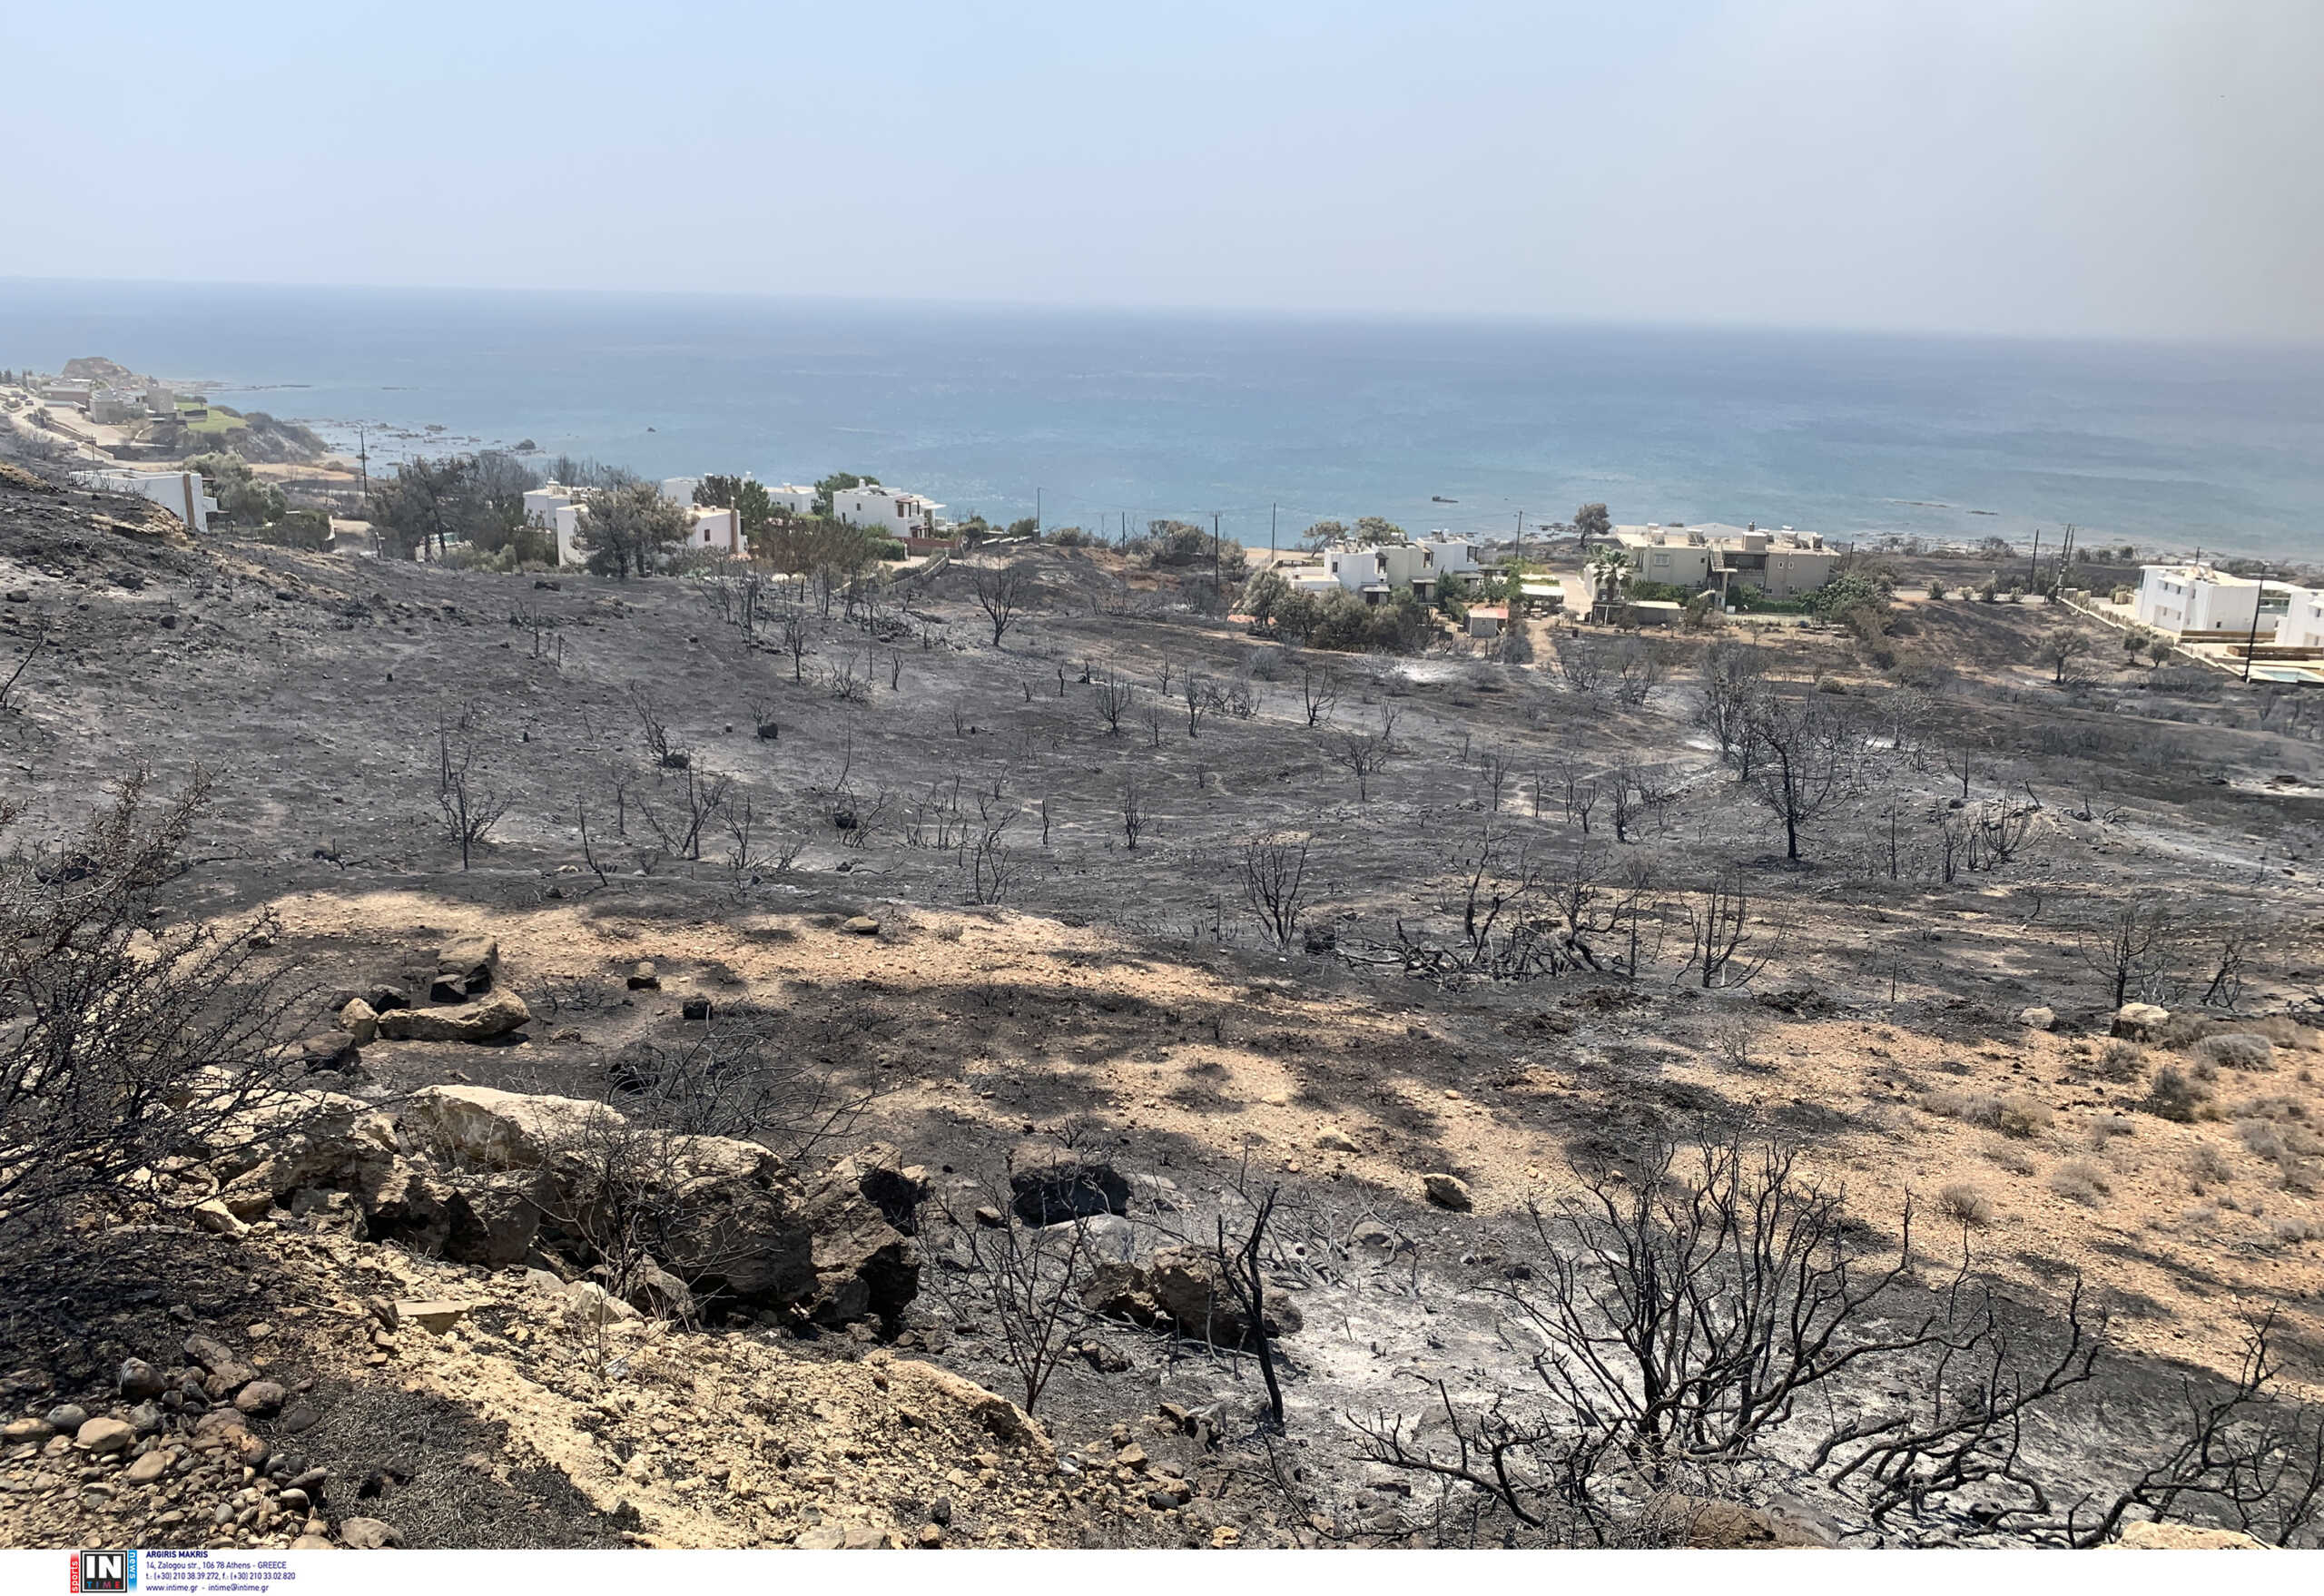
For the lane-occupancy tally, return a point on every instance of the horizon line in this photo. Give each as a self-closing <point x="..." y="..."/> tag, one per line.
<point x="2281" y="342"/>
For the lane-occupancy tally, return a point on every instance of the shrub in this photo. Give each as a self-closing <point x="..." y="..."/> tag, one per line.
<point x="1074" y="537"/>
<point x="2174" y="1096"/>
<point x="2122" y="1062"/>
<point x="2293" y="1229"/>
<point x="2110" y="1126"/>
<point x="2024" y="1117"/>
<point x="127" y="1045"/>
<point x="2013" y="1159"/>
<point x="1965" y="1204"/>
<point x="2080" y="1181"/>
<point x="2207" y="1166"/>
<point x="1969" y="1108"/>
<point x="2237" y="1050"/>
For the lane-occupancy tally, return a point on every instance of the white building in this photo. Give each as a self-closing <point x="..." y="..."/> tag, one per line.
<point x="2302" y="626"/>
<point x="557" y="508"/>
<point x="2202" y="601"/>
<point x="889" y="509"/>
<point x="178" y="492"/>
<point x="1449" y="555"/>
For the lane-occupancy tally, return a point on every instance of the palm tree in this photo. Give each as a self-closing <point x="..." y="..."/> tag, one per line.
<point x="1610" y="572"/>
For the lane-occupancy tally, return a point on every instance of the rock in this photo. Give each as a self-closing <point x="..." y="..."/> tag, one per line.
<point x="227" y="1379"/>
<point x="435" y="1315"/>
<point x="654" y="1290"/>
<point x="480" y="1022"/>
<point x="217" y="1218"/>
<point x="221" y="1426"/>
<point x="492" y="1219"/>
<point x="860" y="925"/>
<point x="694" y="1008"/>
<point x="643" y="978"/>
<point x="146" y="1418"/>
<point x="69" y="1415"/>
<point x="500" y="1130"/>
<point x="104" y="1437"/>
<point x="138" y="1380"/>
<point x="18" y="1432"/>
<point x="1048" y="1183"/>
<point x="298" y="1418"/>
<point x="369" y="1534"/>
<point x="313" y="1544"/>
<point x="820" y="1538"/>
<point x="253" y="1452"/>
<point x="596" y="1305"/>
<point x="249" y="1196"/>
<point x="990" y="1217"/>
<point x="932" y="1535"/>
<point x="1186" y="1284"/>
<point x="1337" y="1141"/>
<point x="385" y="998"/>
<point x="261" y="1398"/>
<point x="1448" y="1191"/>
<point x="360" y="1020"/>
<point x="2038" y="1018"/>
<point x="472" y="961"/>
<point x="2146" y="1535"/>
<point x="401" y="1202"/>
<point x="2140" y="1022"/>
<point x="1714" y="1525"/>
<point x="861" y="1213"/>
<point x="329" y="1051"/>
<point x="290" y="1499"/>
<point x="1108" y="1238"/>
<point x="147" y="1469"/>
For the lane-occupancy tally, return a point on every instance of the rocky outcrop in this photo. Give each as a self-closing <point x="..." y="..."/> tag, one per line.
<point x="862" y="1212"/>
<point x="2140" y="1022"/>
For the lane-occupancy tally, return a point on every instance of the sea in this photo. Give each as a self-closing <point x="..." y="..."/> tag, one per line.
<point x="1107" y="419"/>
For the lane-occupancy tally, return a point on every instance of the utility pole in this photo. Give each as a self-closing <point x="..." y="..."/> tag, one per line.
<point x="1037" y="515"/>
<point x="2034" y="569"/>
<point x="2252" y="640"/>
<point x="363" y="457"/>
<point x="1214" y="548"/>
<point x="1271" y="515"/>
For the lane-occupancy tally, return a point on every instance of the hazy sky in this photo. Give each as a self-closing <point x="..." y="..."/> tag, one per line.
<point x="2069" y="166"/>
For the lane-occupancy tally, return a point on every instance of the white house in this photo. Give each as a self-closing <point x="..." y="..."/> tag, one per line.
<point x="2303" y="623"/>
<point x="1450" y="556"/>
<point x="1374" y="572"/>
<point x="708" y="528"/>
<point x="791" y="497"/>
<point x="2202" y="601"/>
<point x="178" y="492"/>
<point x="889" y="509"/>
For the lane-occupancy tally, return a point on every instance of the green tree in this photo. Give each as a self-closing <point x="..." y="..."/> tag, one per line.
<point x="1858" y="587"/>
<point x="1263" y="597"/>
<point x="244" y="497"/>
<point x="1025" y="527"/>
<point x="1324" y="534"/>
<point x="624" y="531"/>
<point x="425" y="502"/>
<point x="1609" y="572"/>
<point x="1592" y="521"/>
<point x="1377" y="529"/>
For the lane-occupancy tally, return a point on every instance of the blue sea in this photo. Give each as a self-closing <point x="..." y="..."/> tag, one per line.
<point x="1268" y="421"/>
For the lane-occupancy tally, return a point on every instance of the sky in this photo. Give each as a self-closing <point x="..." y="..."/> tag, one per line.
<point x="2144" y="168"/>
